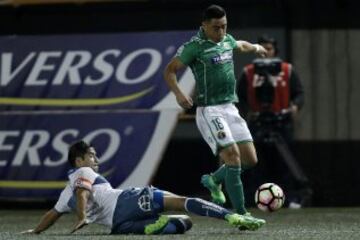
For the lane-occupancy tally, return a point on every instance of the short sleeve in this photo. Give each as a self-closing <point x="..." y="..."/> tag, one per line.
<point x="83" y="178"/>
<point x="232" y="41"/>
<point x="187" y="53"/>
<point x="61" y="205"/>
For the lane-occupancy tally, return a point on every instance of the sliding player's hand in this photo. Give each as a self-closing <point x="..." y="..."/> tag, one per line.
<point x="80" y="224"/>
<point x="29" y="231"/>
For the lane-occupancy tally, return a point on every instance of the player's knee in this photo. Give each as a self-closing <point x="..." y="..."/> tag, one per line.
<point x="250" y="162"/>
<point x="231" y="156"/>
<point x="248" y="155"/>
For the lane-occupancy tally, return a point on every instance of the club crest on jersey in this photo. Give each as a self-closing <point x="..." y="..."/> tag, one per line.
<point x="221" y="135"/>
<point x="222" y="58"/>
<point x="145" y="203"/>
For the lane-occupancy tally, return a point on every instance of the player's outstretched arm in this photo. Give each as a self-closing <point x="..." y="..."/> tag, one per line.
<point x="82" y="196"/>
<point x="245" y="46"/>
<point x="46" y="221"/>
<point x="170" y="77"/>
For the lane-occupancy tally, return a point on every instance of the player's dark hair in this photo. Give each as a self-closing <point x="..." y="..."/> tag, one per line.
<point x="267" y="39"/>
<point x="213" y="11"/>
<point x="77" y="149"/>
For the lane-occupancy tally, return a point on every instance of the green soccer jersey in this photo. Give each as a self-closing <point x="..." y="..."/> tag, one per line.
<point x="213" y="68"/>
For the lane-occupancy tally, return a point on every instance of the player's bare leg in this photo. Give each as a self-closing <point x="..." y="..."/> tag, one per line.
<point x="248" y="155"/>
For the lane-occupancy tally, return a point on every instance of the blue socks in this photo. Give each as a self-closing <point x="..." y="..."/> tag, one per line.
<point x="204" y="208"/>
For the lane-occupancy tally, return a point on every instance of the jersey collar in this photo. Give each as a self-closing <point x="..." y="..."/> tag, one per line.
<point x="71" y="171"/>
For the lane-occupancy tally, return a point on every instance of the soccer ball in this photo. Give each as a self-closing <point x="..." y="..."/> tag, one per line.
<point x="269" y="197"/>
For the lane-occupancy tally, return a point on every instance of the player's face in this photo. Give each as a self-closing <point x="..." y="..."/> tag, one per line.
<point x="270" y="49"/>
<point x="215" y="28"/>
<point x="90" y="160"/>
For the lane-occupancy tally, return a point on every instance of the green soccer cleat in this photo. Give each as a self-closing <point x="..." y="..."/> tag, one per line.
<point x="158" y="226"/>
<point x="259" y="221"/>
<point x="243" y="228"/>
<point x="244" y="222"/>
<point x="217" y="195"/>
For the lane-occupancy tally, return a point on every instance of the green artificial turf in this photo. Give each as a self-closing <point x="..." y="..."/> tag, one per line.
<point x="309" y="223"/>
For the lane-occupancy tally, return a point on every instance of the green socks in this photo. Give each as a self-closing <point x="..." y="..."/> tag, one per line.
<point x="234" y="188"/>
<point x="231" y="175"/>
<point x="219" y="175"/>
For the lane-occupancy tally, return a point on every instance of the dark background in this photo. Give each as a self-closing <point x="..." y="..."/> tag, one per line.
<point x="161" y="15"/>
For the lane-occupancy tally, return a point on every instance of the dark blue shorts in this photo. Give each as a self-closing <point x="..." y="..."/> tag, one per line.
<point x="136" y="204"/>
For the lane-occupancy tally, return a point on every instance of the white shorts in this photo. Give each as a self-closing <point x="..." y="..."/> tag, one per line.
<point x="222" y="126"/>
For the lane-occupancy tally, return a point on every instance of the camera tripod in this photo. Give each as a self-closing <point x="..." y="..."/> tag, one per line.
<point x="268" y="127"/>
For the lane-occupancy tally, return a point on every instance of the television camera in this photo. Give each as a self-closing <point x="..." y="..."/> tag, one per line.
<point x="268" y="125"/>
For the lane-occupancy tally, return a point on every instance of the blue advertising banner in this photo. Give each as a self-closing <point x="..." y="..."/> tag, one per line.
<point x="107" y="89"/>
<point x="91" y="71"/>
<point x="33" y="148"/>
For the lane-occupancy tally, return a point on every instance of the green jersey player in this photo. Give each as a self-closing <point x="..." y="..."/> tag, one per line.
<point x="209" y="54"/>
